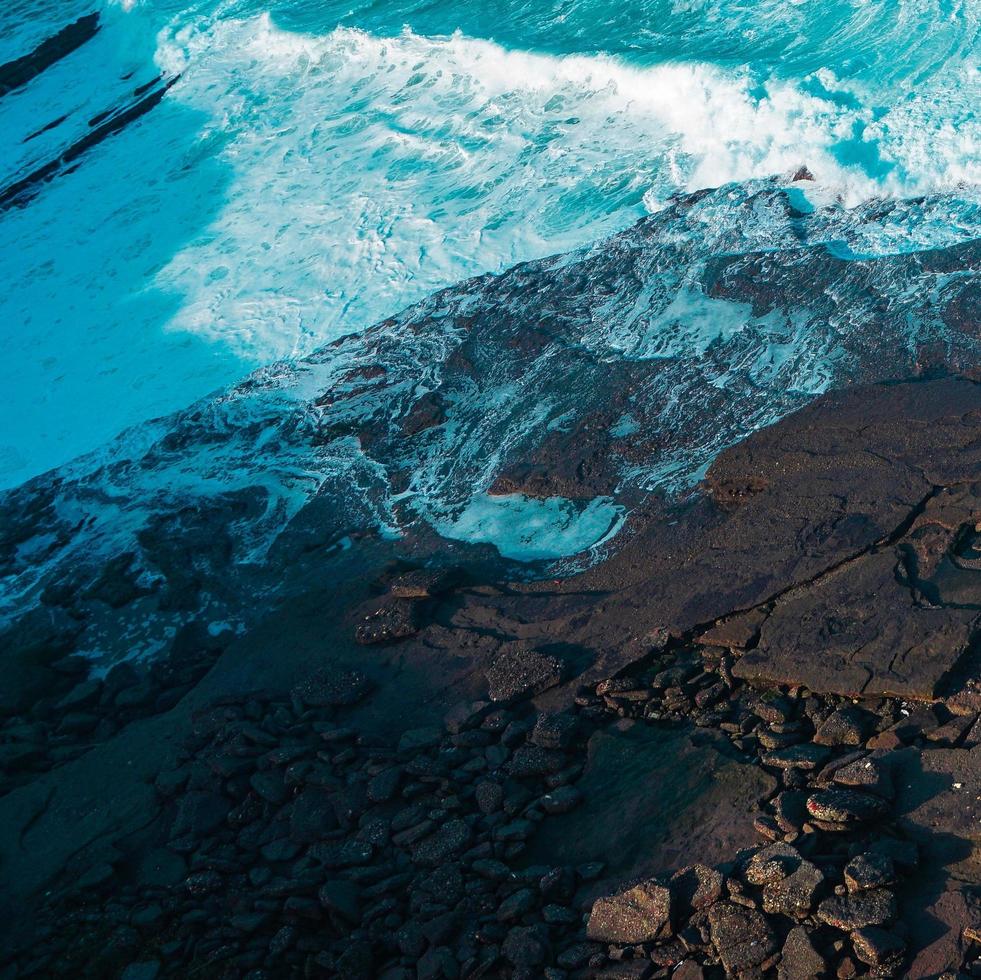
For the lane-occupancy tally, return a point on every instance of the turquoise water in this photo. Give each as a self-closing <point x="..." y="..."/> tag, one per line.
<point x="319" y="166"/>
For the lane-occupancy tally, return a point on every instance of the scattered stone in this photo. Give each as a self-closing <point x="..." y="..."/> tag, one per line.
<point x="800" y="959"/>
<point x="846" y="726"/>
<point x="869" y="871"/>
<point x="326" y="688"/>
<point x="796" y="894"/>
<point x="742" y="938"/>
<point x="805" y="756"/>
<point x="875" y="907"/>
<point x="877" y="947"/>
<point x="846" y="806"/>
<point x="638" y="915"/>
<point x="522" y="673"/>
<point x="396" y="619"/>
<point x="422" y="583"/>
<point x="697" y="887"/>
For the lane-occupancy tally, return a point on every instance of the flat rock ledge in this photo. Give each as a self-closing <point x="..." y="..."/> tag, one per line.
<point x="806" y="627"/>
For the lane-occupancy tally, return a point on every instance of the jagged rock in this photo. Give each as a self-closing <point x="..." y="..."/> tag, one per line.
<point x="450" y="840"/>
<point x="869" y="871"/>
<point x="846" y="806"/>
<point x="877" y="947"/>
<point x="522" y="673"/>
<point x="846" y="726"/>
<point x="805" y="756"/>
<point x="327" y="687"/>
<point x="526" y="946"/>
<point x="561" y="800"/>
<point x="875" y="907"/>
<point x="200" y="813"/>
<point x="395" y="619"/>
<point x="697" y="887"/>
<point x="554" y="730"/>
<point x="800" y="959"/>
<point x="742" y="938"/>
<point x="772" y="863"/>
<point x="638" y="915"/>
<point x="794" y="895"/>
<point x="422" y="583"/>
<point x="868" y="774"/>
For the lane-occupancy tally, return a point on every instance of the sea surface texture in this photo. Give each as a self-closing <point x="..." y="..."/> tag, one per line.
<point x="680" y="221"/>
<point x="265" y="177"/>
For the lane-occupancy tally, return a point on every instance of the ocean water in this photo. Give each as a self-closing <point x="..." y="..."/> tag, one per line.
<point x="318" y="166"/>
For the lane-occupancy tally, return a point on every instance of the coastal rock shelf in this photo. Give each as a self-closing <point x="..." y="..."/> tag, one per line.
<point x="643" y="770"/>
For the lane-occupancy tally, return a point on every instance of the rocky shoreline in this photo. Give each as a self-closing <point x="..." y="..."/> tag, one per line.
<point x="747" y="744"/>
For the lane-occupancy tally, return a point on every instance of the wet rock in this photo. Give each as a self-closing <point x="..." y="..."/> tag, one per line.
<point x="742" y="938"/>
<point x="419" y="739"/>
<point x="638" y="915"/>
<point x="522" y="673"/>
<point x="800" y="959"/>
<point x="846" y="806"/>
<point x="395" y="619"/>
<point x="875" y="907"/>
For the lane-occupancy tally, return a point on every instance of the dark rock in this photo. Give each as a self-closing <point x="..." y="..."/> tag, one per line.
<point x="742" y="938"/>
<point x="555" y="730"/>
<point x="846" y="806"/>
<point x="517" y="904"/>
<point x="422" y="583"/>
<point x="526" y="946"/>
<point x="382" y="788"/>
<point x="312" y="816"/>
<point x="269" y="785"/>
<point x="419" y="739"/>
<point x="449" y="840"/>
<point x="200" y="813"/>
<point x="638" y="915"/>
<point x="490" y="796"/>
<point x="530" y="761"/>
<point x="696" y="887"/>
<point x="796" y="894"/>
<point x="772" y="863"/>
<point x="341" y="854"/>
<point x="877" y="947"/>
<point x="869" y="871"/>
<point x="867" y="774"/>
<point x="805" y="756"/>
<point x="876" y="907"/>
<point x="846" y="726"/>
<point x="800" y="959"/>
<point x="395" y="619"/>
<point x="326" y="688"/>
<point x="522" y="673"/>
<point x="561" y="800"/>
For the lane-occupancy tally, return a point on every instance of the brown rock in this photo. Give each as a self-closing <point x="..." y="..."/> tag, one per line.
<point x="640" y="914"/>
